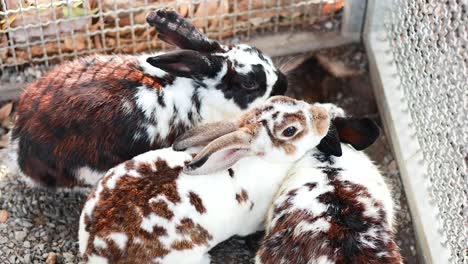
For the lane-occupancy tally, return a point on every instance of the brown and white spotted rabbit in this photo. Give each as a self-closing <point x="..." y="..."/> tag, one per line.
<point x="152" y="209"/>
<point x="334" y="206"/>
<point x="88" y="115"/>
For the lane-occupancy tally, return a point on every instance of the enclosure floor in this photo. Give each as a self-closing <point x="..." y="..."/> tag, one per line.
<point x="42" y="225"/>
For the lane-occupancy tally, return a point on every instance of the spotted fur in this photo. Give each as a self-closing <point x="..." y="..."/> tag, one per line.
<point x="88" y="115"/>
<point x="331" y="210"/>
<point x="150" y="209"/>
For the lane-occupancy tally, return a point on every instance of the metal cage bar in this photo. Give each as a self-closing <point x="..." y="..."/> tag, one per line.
<point x="50" y="31"/>
<point x="404" y="74"/>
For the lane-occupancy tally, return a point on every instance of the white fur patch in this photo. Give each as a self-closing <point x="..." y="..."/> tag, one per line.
<point x="177" y="104"/>
<point x="88" y="175"/>
<point x="120" y="239"/>
<point x="321" y="260"/>
<point x="148" y="223"/>
<point x="126" y="106"/>
<point x="99" y="243"/>
<point x="148" y="68"/>
<point x="319" y="225"/>
<point x="146" y="100"/>
<point x="118" y="172"/>
<point x="83" y="235"/>
<point x="94" y="259"/>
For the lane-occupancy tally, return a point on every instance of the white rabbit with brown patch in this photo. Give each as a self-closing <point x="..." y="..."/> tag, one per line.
<point x="165" y="207"/>
<point x="85" y="116"/>
<point x="334" y="206"/>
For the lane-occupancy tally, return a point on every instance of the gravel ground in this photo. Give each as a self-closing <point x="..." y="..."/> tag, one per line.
<point x="39" y="225"/>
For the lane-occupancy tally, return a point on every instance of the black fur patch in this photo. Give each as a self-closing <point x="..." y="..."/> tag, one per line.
<point x="323" y="157"/>
<point x="281" y="85"/>
<point x="197" y="164"/>
<point x="231" y="86"/>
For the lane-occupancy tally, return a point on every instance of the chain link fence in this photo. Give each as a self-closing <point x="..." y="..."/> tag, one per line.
<point x="423" y="44"/>
<point x="419" y="58"/>
<point x="48" y="31"/>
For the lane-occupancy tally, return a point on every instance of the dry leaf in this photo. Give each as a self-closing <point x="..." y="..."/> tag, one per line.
<point x="40" y="220"/>
<point x="3" y="216"/>
<point x="5" y="111"/>
<point x="329" y="8"/>
<point x="51" y="258"/>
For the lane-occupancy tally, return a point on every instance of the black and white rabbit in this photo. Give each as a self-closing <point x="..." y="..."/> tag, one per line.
<point x="334" y="206"/>
<point x="87" y="115"/>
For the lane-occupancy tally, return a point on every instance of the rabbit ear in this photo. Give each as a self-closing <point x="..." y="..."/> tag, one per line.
<point x="187" y="63"/>
<point x="359" y="132"/>
<point x="176" y="30"/>
<point x="202" y="135"/>
<point x="220" y="154"/>
<point x="331" y="144"/>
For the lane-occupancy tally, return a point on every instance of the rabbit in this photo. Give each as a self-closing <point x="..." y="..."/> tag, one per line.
<point x="164" y="206"/>
<point x="88" y="115"/>
<point x="334" y="206"/>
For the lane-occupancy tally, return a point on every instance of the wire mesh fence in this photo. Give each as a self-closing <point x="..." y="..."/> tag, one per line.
<point x="46" y="31"/>
<point x="429" y="45"/>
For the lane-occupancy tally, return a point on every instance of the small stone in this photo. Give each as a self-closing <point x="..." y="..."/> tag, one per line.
<point x="3" y="216"/>
<point x="20" y="235"/>
<point x="27" y="244"/>
<point x="27" y="258"/>
<point x="40" y="220"/>
<point x="69" y="257"/>
<point x="3" y="239"/>
<point x="41" y="247"/>
<point x="51" y="258"/>
<point x="26" y="224"/>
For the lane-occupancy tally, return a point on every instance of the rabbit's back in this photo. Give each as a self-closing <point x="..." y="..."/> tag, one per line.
<point x="331" y="210"/>
<point x="88" y="115"/>
<point x="131" y="211"/>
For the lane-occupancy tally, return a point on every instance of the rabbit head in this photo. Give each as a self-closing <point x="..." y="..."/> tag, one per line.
<point x="239" y="74"/>
<point x="280" y="130"/>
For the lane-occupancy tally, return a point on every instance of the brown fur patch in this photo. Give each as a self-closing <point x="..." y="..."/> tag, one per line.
<point x="197" y="234"/>
<point x="107" y="217"/>
<point x="130" y="165"/>
<point x="162" y="209"/>
<point x="242" y="197"/>
<point x="181" y="245"/>
<point x="144" y="168"/>
<point x="283" y="99"/>
<point x="196" y="201"/>
<point x="320" y="118"/>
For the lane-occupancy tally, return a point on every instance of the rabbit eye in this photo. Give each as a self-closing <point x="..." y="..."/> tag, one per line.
<point x="249" y="85"/>
<point x="290" y="131"/>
